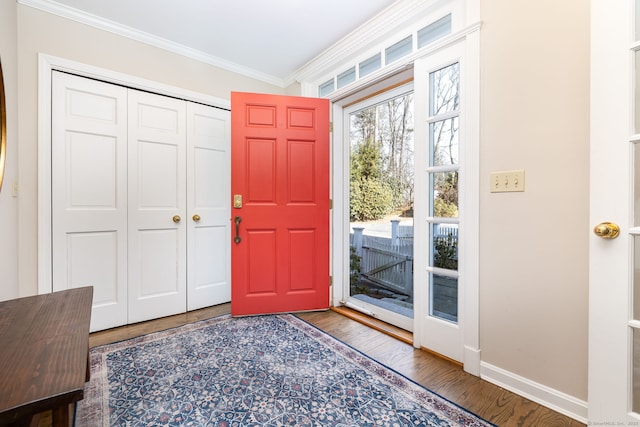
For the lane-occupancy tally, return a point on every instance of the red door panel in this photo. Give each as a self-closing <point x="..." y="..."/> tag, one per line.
<point x="280" y="168"/>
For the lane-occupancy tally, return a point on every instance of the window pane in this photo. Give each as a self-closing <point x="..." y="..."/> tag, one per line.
<point x="636" y="184"/>
<point x="636" y="105"/>
<point x="445" y="194"/>
<point x="434" y="31"/>
<point x="636" y="277"/>
<point x="444" y="142"/>
<point x="443" y="290"/>
<point x="637" y="20"/>
<point x="398" y="50"/>
<point x="444" y="298"/>
<point x="444" y="90"/>
<point x="326" y="88"/>
<point x="445" y="246"/>
<point x="347" y="77"/>
<point x="636" y="372"/>
<point x="370" y="65"/>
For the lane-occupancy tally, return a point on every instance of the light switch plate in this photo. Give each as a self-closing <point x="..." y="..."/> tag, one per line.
<point x="507" y="181"/>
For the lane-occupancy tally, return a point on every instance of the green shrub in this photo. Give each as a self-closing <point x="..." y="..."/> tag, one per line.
<point x="354" y="267"/>
<point x="444" y="209"/>
<point x="369" y="200"/>
<point x="445" y="255"/>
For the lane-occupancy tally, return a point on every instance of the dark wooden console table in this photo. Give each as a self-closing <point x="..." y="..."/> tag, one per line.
<point x="44" y="348"/>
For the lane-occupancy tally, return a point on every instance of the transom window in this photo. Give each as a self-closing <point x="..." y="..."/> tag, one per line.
<point x="389" y="54"/>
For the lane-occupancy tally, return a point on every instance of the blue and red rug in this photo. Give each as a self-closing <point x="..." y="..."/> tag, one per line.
<point x="253" y="371"/>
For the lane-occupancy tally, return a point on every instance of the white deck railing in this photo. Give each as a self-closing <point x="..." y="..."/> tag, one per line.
<point x="388" y="261"/>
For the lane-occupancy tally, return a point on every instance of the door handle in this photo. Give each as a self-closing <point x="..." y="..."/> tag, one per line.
<point x="196" y="218"/>
<point x="176" y="218"/>
<point x="237" y="220"/>
<point x="607" y="230"/>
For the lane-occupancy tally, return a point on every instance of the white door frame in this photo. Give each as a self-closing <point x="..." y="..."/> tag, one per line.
<point x="46" y="65"/>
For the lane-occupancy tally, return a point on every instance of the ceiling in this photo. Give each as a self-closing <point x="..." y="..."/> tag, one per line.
<point x="269" y="37"/>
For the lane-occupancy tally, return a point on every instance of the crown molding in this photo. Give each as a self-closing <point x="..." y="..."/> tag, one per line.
<point x="399" y="14"/>
<point x="79" y="16"/>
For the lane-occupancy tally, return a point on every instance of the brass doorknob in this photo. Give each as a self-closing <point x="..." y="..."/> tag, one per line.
<point x="176" y="218"/>
<point x="607" y="230"/>
<point x="196" y="217"/>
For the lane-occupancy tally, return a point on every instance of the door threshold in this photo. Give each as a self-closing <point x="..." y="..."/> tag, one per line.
<point x="379" y="325"/>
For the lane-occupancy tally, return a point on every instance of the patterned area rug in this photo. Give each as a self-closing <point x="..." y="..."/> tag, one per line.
<point x="253" y="371"/>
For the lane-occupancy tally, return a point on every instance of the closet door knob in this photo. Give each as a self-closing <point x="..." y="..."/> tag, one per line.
<point x="176" y="218"/>
<point x="196" y="217"/>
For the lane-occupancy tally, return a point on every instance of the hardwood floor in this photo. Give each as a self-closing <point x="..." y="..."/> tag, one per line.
<point x="489" y="401"/>
<point x="493" y="403"/>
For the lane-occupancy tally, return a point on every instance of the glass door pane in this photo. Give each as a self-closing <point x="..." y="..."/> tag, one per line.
<point x="381" y="208"/>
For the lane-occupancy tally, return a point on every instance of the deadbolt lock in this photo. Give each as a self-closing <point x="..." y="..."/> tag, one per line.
<point x="237" y="201"/>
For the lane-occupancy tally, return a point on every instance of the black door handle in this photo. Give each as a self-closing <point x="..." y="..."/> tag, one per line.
<point x="237" y="220"/>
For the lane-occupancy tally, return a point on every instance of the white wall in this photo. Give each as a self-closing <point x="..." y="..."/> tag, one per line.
<point x="40" y="32"/>
<point x="9" y="203"/>
<point x="534" y="245"/>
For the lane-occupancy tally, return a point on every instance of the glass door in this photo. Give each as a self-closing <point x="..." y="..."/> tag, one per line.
<point x="439" y="220"/>
<point x="381" y="192"/>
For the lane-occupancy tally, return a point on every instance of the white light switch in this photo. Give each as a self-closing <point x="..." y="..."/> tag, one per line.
<point x="506" y="181"/>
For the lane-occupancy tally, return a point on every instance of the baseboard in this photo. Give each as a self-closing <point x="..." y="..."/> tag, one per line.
<point x="546" y="396"/>
<point x="472" y="360"/>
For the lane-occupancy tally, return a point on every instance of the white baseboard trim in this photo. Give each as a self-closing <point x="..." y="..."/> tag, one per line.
<point x="546" y="396"/>
<point x="472" y="360"/>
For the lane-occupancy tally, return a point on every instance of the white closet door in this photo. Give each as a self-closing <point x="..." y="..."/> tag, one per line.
<point x="89" y="206"/>
<point x="208" y="203"/>
<point x="157" y="211"/>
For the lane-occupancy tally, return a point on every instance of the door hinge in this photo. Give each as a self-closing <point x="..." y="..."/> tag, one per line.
<point x="330" y="204"/>
<point x="330" y="127"/>
<point x="330" y="281"/>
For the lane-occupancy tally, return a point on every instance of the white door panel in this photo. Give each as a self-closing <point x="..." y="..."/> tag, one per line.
<point x="89" y="214"/>
<point x="614" y="397"/>
<point x="208" y="201"/>
<point x="83" y="249"/>
<point x="157" y="265"/>
<point x="156" y="196"/>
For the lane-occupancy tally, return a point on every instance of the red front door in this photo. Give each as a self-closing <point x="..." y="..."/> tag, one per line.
<point x="280" y="206"/>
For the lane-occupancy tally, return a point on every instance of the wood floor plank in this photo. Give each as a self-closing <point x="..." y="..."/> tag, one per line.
<point x="489" y="401"/>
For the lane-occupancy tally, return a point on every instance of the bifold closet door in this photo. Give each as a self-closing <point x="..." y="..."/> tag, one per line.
<point x="88" y="194"/>
<point x="136" y="177"/>
<point x="208" y="205"/>
<point x="157" y="206"/>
